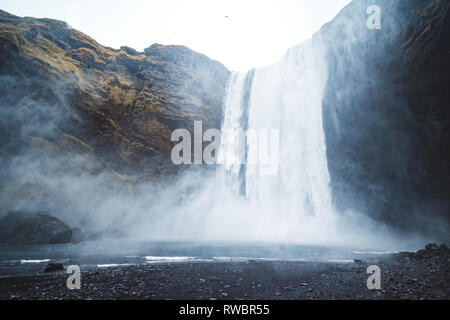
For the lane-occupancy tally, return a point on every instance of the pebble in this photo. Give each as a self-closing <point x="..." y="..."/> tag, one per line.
<point x="431" y="277"/>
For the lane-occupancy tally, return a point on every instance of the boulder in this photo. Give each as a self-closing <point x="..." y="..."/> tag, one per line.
<point x="53" y="267"/>
<point x="431" y="247"/>
<point x="33" y="228"/>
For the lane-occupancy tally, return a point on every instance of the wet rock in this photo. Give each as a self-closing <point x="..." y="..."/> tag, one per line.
<point x="33" y="228"/>
<point x="431" y="246"/>
<point x="53" y="267"/>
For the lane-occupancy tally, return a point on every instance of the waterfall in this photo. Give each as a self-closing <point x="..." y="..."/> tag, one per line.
<point x="233" y="147"/>
<point x="286" y="96"/>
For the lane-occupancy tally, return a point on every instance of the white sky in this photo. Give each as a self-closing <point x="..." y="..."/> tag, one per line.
<point x="256" y="32"/>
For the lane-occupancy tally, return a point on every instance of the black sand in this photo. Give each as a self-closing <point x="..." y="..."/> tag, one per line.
<point x="415" y="276"/>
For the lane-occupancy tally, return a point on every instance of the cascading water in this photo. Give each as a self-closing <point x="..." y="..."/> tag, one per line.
<point x="235" y="125"/>
<point x="286" y="96"/>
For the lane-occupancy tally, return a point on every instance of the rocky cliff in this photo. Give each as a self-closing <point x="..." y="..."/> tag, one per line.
<point x="386" y="112"/>
<point x="61" y="92"/>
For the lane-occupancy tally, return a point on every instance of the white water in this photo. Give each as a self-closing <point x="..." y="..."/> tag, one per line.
<point x="286" y="96"/>
<point x="231" y="145"/>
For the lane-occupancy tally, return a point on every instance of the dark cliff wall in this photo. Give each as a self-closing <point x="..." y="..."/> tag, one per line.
<point x="62" y="92"/>
<point x="387" y="115"/>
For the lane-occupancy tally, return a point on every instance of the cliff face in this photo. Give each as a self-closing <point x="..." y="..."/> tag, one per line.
<point x="386" y="112"/>
<point x="62" y="92"/>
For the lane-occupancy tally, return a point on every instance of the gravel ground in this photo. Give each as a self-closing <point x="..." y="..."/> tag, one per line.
<point x="412" y="276"/>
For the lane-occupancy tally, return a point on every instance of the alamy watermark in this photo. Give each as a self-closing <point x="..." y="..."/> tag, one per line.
<point x="74" y="280"/>
<point x="374" y="281"/>
<point x="229" y="147"/>
<point x="374" y="19"/>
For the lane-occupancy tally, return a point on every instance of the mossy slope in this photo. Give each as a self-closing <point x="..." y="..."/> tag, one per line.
<point x="119" y="106"/>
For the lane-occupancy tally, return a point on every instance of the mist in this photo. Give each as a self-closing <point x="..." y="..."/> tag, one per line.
<point x="199" y="205"/>
<point x="230" y="203"/>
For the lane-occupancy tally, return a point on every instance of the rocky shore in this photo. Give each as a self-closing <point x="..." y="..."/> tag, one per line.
<point x="424" y="275"/>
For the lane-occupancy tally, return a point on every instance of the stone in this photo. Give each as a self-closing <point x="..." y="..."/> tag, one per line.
<point x="53" y="267"/>
<point x="33" y="228"/>
<point x="431" y="246"/>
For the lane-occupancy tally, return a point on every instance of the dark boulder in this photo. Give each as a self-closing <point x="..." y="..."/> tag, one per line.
<point x="53" y="267"/>
<point x="435" y="247"/>
<point x="33" y="228"/>
<point x="431" y="247"/>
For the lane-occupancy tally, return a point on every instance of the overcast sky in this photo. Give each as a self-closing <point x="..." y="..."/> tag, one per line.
<point x="239" y="33"/>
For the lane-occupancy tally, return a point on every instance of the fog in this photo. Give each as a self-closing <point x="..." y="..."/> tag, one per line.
<point x="201" y="205"/>
<point x="194" y="207"/>
<point x="229" y="203"/>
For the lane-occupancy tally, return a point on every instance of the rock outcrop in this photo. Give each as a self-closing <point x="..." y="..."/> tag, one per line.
<point x="53" y="267"/>
<point x="62" y="92"/>
<point x="33" y="228"/>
